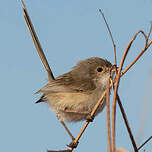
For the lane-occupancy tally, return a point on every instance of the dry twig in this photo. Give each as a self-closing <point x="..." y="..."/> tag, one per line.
<point x="145" y="142"/>
<point x="108" y="115"/>
<point x="119" y="74"/>
<point x="141" y="53"/>
<point x="126" y="123"/>
<point x="110" y="33"/>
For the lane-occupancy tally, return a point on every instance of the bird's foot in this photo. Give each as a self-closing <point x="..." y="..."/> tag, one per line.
<point x="90" y="118"/>
<point x="73" y="144"/>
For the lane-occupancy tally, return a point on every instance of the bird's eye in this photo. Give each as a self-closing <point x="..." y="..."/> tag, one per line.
<point x="99" y="69"/>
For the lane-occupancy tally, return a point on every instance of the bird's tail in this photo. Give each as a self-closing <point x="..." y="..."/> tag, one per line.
<point x="42" y="99"/>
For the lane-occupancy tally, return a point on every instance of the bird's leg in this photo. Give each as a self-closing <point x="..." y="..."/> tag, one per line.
<point x="68" y="131"/>
<point x="89" y="118"/>
<point x="65" y="127"/>
<point x="72" y="144"/>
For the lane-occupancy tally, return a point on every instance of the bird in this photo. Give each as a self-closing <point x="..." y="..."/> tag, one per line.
<point x="73" y="95"/>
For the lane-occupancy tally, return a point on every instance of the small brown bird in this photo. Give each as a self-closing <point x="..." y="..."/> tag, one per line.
<point x="73" y="95"/>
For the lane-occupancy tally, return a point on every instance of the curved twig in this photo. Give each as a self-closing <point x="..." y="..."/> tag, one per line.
<point x="115" y="92"/>
<point x="104" y="93"/>
<point x="136" y="59"/>
<point x="116" y="89"/>
<point x="114" y="45"/>
<point x="147" y="45"/>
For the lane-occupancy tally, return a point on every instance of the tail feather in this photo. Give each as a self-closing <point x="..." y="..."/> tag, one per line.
<point x="42" y="99"/>
<point x="38" y="101"/>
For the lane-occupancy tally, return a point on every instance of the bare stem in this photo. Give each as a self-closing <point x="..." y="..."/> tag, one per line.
<point x="115" y="94"/>
<point x="87" y="122"/>
<point x="136" y="59"/>
<point x="127" y="124"/>
<point x="150" y="30"/>
<point x="145" y="142"/>
<point x="108" y="115"/>
<point x="118" y="75"/>
<point x="114" y="46"/>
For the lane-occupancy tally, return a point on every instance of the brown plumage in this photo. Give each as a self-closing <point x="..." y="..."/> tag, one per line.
<point x="73" y="95"/>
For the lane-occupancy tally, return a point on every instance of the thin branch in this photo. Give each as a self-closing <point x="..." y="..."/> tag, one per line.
<point x="87" y="122"/>
<point x="116" y="89"/>
<point x="143" y="50"/>
<point x="114" y="46"/>
<point x="108" y="115"/>
<point x="36" y="42"/>
<point x="145" y="142"/>
<point x="118" y="80"/>
<point x="126" y="123"/>
<point x="115" y="93"/>
<point x="136" y="59"/>
<point x="150" y="30"/>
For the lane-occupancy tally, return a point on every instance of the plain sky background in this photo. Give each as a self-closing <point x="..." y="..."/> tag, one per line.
<point x="69" y="30"/>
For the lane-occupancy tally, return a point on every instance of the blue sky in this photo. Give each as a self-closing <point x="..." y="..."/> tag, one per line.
<point x="69" y="31"/>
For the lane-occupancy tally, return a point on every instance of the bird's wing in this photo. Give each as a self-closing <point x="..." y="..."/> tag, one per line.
<point x="67" y="83"/>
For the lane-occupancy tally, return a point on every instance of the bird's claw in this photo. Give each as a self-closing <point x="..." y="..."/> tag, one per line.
<point x="73" y="144"/>
<point x="90" y="118"/>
